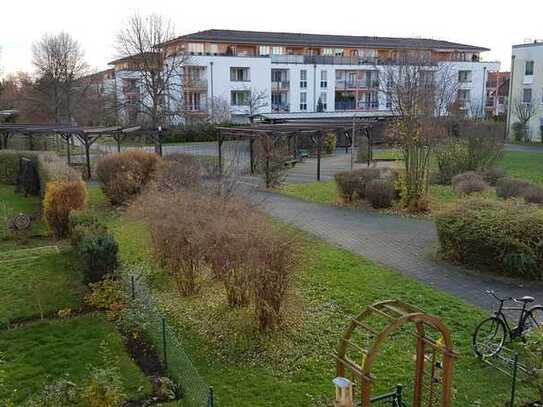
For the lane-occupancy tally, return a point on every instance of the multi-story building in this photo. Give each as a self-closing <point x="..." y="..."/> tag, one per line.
<point x="497" y="93"/>
<point x="305" y="74"/>
<point x="527" y="87"/>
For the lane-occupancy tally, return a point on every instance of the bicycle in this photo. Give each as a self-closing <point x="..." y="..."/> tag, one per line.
<point x="491" y="334"/>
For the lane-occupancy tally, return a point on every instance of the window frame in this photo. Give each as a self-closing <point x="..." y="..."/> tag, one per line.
<point x="303" y="78"/>
<point x="324" y="79"/>
<point x="237" y="92"/>
<point x="303" y="103"/>
<point x="243" y="69"/>
<point x="526" y="65"/>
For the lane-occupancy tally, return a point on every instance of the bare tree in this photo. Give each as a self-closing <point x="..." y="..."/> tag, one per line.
<point x="159" y="70"/>
<point x="220" y="110"/>
<point x="256" y="101"/>
<point x="418" y="91"/>
<point x="60" y="64"/>
<point x="524" y="112"/>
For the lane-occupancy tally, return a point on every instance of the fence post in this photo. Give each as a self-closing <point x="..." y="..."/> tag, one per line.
<point x="133" y="286"/>
<point x="164" y="343"/>
<point x="210" y="397"/>
<point x="514" y="383"/>
<point x="399" y="389"/>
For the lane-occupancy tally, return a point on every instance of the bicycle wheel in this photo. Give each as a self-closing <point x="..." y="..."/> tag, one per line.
<point x="489" y="337"/>
<point x="533" y="319"/>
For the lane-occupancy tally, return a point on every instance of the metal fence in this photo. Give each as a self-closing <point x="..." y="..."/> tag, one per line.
<point x="196" y="392"/>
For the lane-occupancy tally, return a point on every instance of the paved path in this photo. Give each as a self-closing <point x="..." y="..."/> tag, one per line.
<point x="524" y="148"/>
<point x="403" y="244"/>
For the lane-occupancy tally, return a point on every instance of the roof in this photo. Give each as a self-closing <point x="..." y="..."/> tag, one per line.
<point x="131" y="58"/>
<point x="322" y="40"/>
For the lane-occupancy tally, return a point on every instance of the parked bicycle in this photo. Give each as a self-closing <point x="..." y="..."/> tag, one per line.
<point x="492" y="333"/>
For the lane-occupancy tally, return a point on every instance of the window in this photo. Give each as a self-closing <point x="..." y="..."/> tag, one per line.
<point x="196" y="48"/>
<point x="464" y="97"/>
<point x="213" y="48"/>
<point x="324" y="101"/>
<point x="239" y="74"/>
<point x="303" y="78"/>
<point x="278" y="50"/>
<point x="338" y="52"/>
<point x="264" y="50"/>
<point x="388" y="101"/>
<point x="240" y="97"/>
<point x="529" y="68"/>
<point x="464" y="76"/>
<point x="327" y="51"/>
<point x="527" y="95"/>
<point x="324" y="79"/>
<point x="303" y="101"/>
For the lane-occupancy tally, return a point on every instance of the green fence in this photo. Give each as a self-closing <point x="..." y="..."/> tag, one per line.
<point x="195" y="391"/>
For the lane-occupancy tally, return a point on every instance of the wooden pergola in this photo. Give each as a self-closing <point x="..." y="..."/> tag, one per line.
<point x="314" y="130"/>
<point x="87" y="136"/>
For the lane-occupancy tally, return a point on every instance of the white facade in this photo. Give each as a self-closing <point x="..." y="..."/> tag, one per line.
<point x="527" y="86"/>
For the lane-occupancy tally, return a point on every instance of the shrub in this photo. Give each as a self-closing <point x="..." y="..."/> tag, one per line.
<point x="106" y="295"/>
<point x="501" y="236"/>
<point x="123" y="175"/>
<point x="271" y="161"/>
<point x="84" y="222"/>
<point x="61" y="198"/>
<point x="380" y="193"/>
<point x="329" y="143"/>
<point x="62" y="392"/>
<point x="51" y="167"/>
<point x="493" y="175"/>
<point x="451" y="160"/>
<point x="468" y="183"/>
<point x="361" y="146"/>
<point x="178" y="172"/>
<point x="97" y="255"/>
<point x="520" y="131"/>
<point x="511" y="187"/>
<point x="104" y="387"/>
<point x="533" y="194"/>
<point x="352" y="184"/>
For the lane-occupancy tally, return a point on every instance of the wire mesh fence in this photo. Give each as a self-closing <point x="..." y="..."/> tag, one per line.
<point x="196" y="392"/>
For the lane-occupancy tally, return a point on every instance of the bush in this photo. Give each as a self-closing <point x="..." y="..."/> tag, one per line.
<point x="84" y="222"/>
<point x="193" y="133"/>
<point x="511" y="187"/>
<point x="520" y="132"/>
<point x="352" y="184"/>
<point x="361" y="146"/>
<point x="500" y="236"/>
<point x="271" y="161"/>
<point x="123" y="175"/>
<point x="106" y="295"/>
<point x="493" y="175"/>
<point x="61" y="198"/>
<point x="380" y="193"/>
<point x="51" y="167"/>
<point x="329" y="143"/>
<point x="97" y="255"/>
<point x="468" y="183"/>
<point x="451" y="160"/>
<point x="178" y="172"/>
<point x="533" y="194"/>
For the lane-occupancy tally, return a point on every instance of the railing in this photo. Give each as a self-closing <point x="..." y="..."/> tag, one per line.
<point x="323" y="59"/>
<point x="196" y="83"/>
<point x="201" y="108"/>
<point x="279" y="108"/>
<point x="360" y="106"/>
<point x="356" y="84"/>
<point x="280" y="85"/>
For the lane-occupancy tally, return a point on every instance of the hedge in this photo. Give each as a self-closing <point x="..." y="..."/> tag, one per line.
<point x="501" y="236"/>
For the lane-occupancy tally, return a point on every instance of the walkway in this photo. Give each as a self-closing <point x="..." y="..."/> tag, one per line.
<point x="524" y="148"/>
<point x="403" y="244"/>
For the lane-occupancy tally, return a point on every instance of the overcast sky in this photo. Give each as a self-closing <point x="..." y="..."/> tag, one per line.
<point x="94" y="23"/>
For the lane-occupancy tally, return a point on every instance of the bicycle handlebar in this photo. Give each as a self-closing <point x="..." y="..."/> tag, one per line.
<point x="493" y="294"/>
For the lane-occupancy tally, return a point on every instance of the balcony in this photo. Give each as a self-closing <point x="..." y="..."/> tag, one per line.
<point x="196" y="83"/>
<point x="323" y="59"/>
<point x="356" y="84"/>
<point x="360" y="106"/>
<point x="280" y="85"/>
<point x="196" y="108"/>
<point x="280" y="108"/>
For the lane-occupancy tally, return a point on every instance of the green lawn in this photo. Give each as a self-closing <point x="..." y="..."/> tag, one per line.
<point x="528" y="166"/>
<point x="44" y="351"/>
<point x="293" y="366"/>
<point x="12" y="204"/>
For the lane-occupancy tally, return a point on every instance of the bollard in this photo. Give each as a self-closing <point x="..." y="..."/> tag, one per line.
<point x="210" y="397"/>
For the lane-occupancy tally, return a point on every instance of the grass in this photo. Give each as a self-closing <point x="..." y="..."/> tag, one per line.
<point x="293" y="366"/>
<point x="12" y="204"/>
<point x="45" y="351"/>
<point x="528" y="166"/>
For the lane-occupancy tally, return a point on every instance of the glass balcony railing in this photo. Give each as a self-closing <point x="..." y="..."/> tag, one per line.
<point x="356" y="84"/>
<point x="280" y="85"/>
<point x="360" y="106"/>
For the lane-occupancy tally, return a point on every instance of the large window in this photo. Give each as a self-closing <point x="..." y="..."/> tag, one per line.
<point x="303" y="78"/>
<point x="464" y="76"/>
<point x="264" y="50"/>
<point x="213" y="48"/>
<point x="324" y="79"/>
<point x="527" y="95"/>
<point x="196" y="48"/>
<point x="529" y="68"/>
<point x="240" y="97"/>
<point x="328" y="51"/>
<point x="464" y="97"/>
<point x="303" y="101"/>
<point x="338" y="52"/>
<point x="278" y="50"/>
<point x="324" y="101"/>
<point x="239" y="74"/>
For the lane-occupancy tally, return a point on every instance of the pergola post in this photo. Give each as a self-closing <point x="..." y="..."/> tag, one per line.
<point x="252" y="154"/>
<point x="220" y="140"/>
<point x="319" y="142"/>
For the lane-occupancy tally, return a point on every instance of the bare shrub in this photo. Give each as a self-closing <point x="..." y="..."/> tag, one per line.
<point x="533" y="194"/>
<point x="511" y="187"/>
<point x="61" y="198"/>
<point x="468" y="182"/>
<point x="178" y="172"/>
<point x="123" y="175"/>
<point x="352" y="184"/>
<point x="493" y="175"/>
<point x="361" y="146"/>
<point x="380" y="193"/>
<point x="271" y="160"/>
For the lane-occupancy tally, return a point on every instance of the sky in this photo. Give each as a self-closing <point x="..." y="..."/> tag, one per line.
<point x="94" y="23"/>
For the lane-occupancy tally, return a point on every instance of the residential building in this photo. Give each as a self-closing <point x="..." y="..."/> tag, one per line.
<point x="305" y="74"/>
<point x="497" y="94"/>
<point x="527" y="87"/>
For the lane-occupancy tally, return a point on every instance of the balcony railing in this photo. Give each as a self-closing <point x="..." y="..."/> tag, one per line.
<point x="196" y="83"/>
<point x="323" y="59"/>
<point x="356" y="84"/>
<point x="360" y="106"/>
<point x="280" y="85"/>
<point x="280" y="108"/>
<point x="196" y="108"/>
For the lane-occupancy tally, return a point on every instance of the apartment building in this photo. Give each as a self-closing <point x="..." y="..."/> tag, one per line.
<point x="497" y="94"/>
<point x="527" y="87"/>
<point x="308" y="74"/>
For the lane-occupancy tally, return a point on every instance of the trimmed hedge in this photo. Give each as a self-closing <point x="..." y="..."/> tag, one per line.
<point x="501" y="236"/>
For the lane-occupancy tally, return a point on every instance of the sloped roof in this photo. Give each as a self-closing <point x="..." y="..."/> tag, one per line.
<point x="315" y="40"/>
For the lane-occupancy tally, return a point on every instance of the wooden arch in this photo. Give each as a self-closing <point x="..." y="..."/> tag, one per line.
<point x="396" y="314"/>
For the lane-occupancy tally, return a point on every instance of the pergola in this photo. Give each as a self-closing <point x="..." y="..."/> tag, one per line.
<point x="290" y="129"/>
<point x="87" y="136"/>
